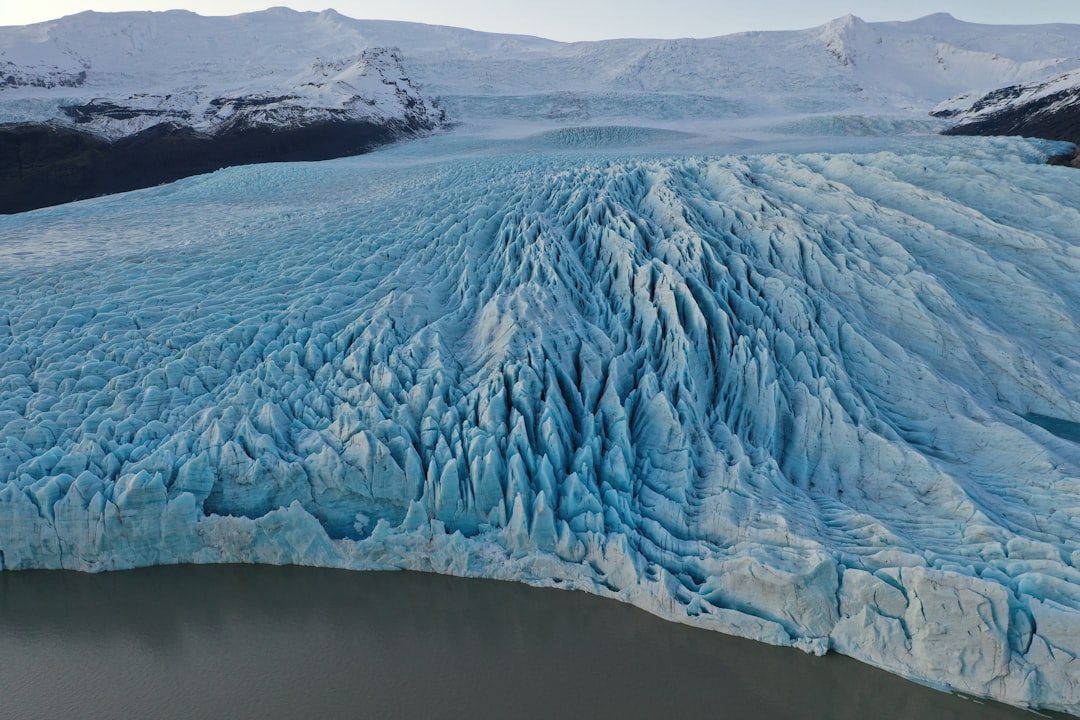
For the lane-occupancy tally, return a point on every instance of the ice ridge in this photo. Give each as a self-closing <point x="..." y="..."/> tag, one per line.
<point x="789" y="397"/>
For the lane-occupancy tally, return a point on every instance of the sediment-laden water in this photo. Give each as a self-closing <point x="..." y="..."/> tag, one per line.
<point x="289" y="642"/>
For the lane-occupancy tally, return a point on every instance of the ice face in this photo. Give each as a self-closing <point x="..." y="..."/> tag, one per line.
<point x="789" y="397"/>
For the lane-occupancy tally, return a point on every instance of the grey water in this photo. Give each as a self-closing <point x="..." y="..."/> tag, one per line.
<point x="263" y="642"/>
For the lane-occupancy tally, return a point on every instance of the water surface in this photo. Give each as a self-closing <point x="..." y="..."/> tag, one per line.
<point x="288" y="642"/>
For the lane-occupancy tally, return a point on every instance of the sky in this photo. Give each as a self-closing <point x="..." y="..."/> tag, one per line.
<point x="593" y="19"/>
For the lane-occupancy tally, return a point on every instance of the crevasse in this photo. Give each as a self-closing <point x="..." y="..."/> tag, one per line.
<point x="827" y="400"/>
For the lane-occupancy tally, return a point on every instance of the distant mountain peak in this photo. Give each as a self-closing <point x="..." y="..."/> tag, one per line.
<point x="841" y="37"/>
<point x="938" y="16"/>
<point x="848" y="19"/>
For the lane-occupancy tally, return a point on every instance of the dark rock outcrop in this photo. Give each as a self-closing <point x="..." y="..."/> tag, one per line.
<point x="43" y="164"/>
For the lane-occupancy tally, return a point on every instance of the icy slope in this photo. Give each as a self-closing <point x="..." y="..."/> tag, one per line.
<point x="828" y="400"/>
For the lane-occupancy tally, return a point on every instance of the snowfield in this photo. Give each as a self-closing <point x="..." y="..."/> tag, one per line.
<point x="827" y="398"/>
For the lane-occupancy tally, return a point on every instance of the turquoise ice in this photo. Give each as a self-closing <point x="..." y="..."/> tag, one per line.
<point x="814" y="399"/>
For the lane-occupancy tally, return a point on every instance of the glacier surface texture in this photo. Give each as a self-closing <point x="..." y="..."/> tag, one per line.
<point x="829" y="400"/>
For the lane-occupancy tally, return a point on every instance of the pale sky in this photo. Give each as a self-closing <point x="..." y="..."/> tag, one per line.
<point x="593" y="19"/>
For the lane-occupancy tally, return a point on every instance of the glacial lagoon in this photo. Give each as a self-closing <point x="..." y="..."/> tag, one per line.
<point x="245" y="641"/>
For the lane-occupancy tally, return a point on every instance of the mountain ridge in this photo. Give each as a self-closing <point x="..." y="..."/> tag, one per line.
<point x="182" y="50"/>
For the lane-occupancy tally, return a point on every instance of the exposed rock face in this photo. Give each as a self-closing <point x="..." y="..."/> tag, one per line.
<point x="47" y="164"/>
<point x="13" y="76"/>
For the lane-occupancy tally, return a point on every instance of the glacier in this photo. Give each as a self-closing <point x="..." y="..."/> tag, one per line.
<point x="827" y="399"/>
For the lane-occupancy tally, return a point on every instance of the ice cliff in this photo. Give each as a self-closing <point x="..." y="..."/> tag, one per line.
<point x="825" y="400"/>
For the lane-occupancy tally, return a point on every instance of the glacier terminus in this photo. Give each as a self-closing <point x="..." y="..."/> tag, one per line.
<point x="788" y="365"/>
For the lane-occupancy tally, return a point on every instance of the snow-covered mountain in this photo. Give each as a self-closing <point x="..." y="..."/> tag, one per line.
<point x="161" y="81"/>
<point x="119" y="73"/>
<point x="370" y="87"/>
<point x="938" y="55"/>
<point x="827" y="398"/>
